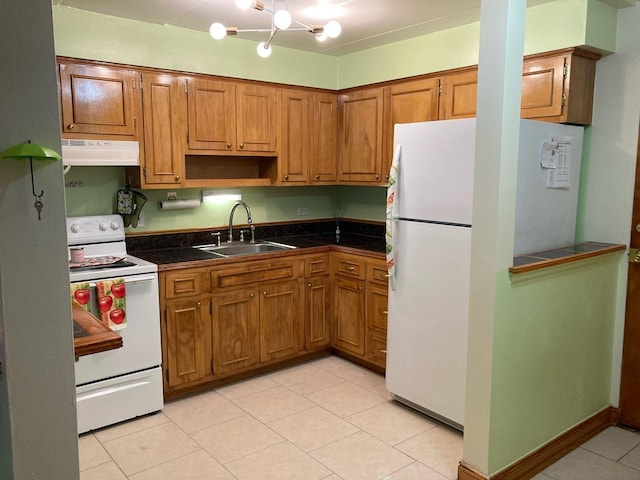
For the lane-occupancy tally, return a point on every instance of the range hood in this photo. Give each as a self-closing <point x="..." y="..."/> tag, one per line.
<point x="112" y="153"/>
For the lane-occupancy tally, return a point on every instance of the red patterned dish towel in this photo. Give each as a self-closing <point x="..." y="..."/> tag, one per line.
<point x="112" y="303"/>
<point x="80" y="294"/>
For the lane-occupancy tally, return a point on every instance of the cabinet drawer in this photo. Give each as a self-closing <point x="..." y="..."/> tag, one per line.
<point x="377" y="272"/>
<point x="183" y="284"/>
<point x="318" y="265"/>
<point x="348" y="265"/>
<point x="377" y="350"/>
<point x="253" y="273"/>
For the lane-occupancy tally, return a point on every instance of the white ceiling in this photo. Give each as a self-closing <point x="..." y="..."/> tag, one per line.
<point x="365" y="23"/>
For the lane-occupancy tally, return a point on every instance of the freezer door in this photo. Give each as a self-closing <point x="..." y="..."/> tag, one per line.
<point x="436" y="170"/>
<point x="428" y="318"/>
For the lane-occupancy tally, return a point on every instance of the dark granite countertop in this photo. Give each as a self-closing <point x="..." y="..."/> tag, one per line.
<point x="558" y="256"/>
<point x="170" y="249"/>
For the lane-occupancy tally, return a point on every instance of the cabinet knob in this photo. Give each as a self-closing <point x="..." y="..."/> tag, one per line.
<point x="242" y="145"/>
<point x="198" y="304"/>
<point x="351" y="268"/>
<point x="71" y="126"/>
<point x="317" y="177"/>
<point x="177" y="178"/>
<point x="310" y="285"/>
<point x="286" y="177"/>
<point x="359" y="287"/>
<point x="251" y="295"/>
<point x="265" y="293"/>
<point x="386" y="177"/>
<point x="377" y="177"/>
<point x="228" y="145"/>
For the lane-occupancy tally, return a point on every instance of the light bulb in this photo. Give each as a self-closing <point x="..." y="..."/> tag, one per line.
<point x="321" y="37"/>
<point x="333" y="29"/>
<point x="262" y="51"/>
<point x="218" y="31"/>
<point x="282" y="19"/>
<point x="244" y="4"/>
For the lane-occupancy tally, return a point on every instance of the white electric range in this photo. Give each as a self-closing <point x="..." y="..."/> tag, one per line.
<point x="124" y="383"/>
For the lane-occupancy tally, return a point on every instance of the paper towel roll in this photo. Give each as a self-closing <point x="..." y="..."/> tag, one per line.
<point x="179" y="204"/>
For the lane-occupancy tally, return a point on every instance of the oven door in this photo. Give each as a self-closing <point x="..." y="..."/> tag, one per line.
<point x="140" y="339"/>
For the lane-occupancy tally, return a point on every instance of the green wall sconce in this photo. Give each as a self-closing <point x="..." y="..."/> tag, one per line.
<point x="32" y="151"/>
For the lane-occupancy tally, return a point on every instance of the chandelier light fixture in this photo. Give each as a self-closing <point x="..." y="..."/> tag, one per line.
<point x="281" y="20"/>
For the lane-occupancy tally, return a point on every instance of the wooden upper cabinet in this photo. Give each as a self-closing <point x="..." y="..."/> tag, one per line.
<point x="99" y="101"/>
<point x="407" y="102"/>
<point x="360" y="136"/>
<point x="459" y="95"/>
<point x="232" y="118"/>
<point x="164" y="106"/>
<point x="294" y="155"/>
<point x="559" y="87"/>
<point x="258" y="116"/>
<point x="324" y="135"/>
<point x="211" y="115"/>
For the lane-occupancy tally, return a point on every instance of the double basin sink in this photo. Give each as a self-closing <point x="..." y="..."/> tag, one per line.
<point x="233" y="249"/>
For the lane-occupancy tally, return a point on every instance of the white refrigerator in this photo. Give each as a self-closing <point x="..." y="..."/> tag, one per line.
<point x="429" y="224"/>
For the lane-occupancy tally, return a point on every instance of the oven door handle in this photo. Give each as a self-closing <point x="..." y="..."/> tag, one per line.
<point x="128" y="280"/>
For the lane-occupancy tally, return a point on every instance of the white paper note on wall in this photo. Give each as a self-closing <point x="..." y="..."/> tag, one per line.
<point x="559" y="176"/>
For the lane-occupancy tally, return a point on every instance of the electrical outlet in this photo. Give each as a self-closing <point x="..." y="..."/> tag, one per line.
<point x="172" y="196"/>
<point x="303" y="211"/>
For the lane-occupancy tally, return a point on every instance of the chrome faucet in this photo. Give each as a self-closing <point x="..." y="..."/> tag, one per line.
<point x="249" y="220"/>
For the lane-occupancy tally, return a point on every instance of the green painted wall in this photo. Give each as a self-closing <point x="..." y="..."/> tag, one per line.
<point x="92" y="191"/>
<point x="553" y="335"/>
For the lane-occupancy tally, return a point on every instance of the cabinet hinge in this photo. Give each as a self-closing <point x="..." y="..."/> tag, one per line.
<point x="144" y="174"/>
<point x="141" y="87"/>
<point x="166" y="375"/>
<point x="440" y="90"/>
<point x="187" y="138"/>
<point x="565" y="70"/>
<point x="186" y="88"/>
<point x="135" y="123"/>
<point x="212" y="366"/>
<point x="564" y="99"/>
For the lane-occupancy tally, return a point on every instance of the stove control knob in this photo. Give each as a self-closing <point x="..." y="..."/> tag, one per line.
<point x="75" y="228"/>
<point x="104" y="226"/>
<point x="115" y="225"/>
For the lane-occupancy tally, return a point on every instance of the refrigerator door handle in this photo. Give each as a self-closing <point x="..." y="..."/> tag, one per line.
<point x="392" y="216"/>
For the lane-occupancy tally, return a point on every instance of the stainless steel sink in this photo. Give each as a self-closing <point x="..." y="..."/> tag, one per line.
<point x="243" y="248"/>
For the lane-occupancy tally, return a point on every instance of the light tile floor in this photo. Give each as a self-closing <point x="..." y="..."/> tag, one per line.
<point x="327" y="419"/>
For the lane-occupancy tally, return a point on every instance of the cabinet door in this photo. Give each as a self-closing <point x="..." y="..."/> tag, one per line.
<point x="407" y="102"/>
<point x="361" y="136"/>
<point x="99" y="101"/>
<point x="377" y="302"/>
<point x="348" y="330"/>
<point x="212" y="115"/>
<point x="280" y="320"/>
<point x="235" y="331"/>
<point x="324" y="151"/>
<point x="258" y="117"/>
<point x="317" y="312"/>
<point x="188" y="347"/>
<point x="459" y="95"/>
<point x="165" y="108"/>
<point x="296" y="145"/>
<point x="542" y="87"/>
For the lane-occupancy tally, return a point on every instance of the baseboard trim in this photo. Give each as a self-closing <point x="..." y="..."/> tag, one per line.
<point x="539" y="459"/>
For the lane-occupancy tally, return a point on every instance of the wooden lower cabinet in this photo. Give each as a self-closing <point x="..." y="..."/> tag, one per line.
<point x="360" y="307"/>
<point x="187" y="341"/>
<point x="348" y="333"/>
<point x="236" y="343"/>
<point x="317" y="312"/>
<point x="220" y="323"/>
<point x="280" y="321"/>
